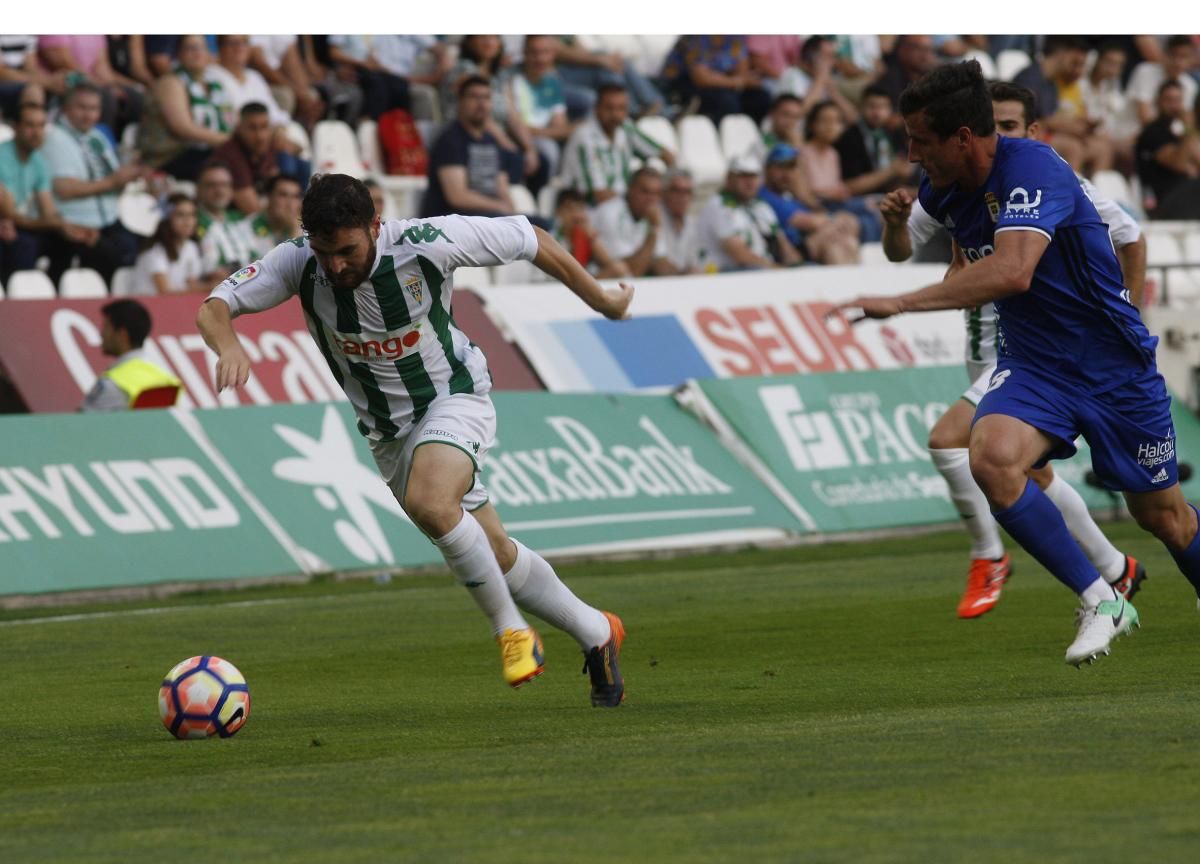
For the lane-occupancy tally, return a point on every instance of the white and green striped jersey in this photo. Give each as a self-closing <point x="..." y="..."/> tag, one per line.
<point x="223" y="246"/>
<point x="593" y="162"/>
<point x="390" y="343"/>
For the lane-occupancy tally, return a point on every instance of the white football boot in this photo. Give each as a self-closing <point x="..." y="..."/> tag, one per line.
<point x="1098" y="627"/>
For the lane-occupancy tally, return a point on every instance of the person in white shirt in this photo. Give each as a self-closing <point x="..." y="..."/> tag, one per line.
<point x="172" y="264"/>
<point x="629" y="224"/>
<point x="738" y="230"/>
<point x="1178" y="62"/>
<point x="678" y="227"/>
<point x="386" y="66"/>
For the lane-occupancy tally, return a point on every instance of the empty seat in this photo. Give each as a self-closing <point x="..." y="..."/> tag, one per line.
<point x="1162" y="249"/>
<point x="661" y="131"/>
<point x="82" y="283"/>
<point x="30" y="285"/>
<point x="739" y="136"/>
<point x="138" y="211"/>
<point x="522" y="199"/>
<point x="368" y="146"/>
<point x="299" y="136"/>
<point x="1010" y="62"/>
<point x="1112" y="184"/>
<point x="700" y="150"/>
<point x="335" y="149"/>
<point x="122" y="282"/>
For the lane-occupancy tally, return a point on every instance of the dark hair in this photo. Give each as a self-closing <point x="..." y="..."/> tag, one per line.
<point x="611" y="87"/>
<point x="782" y="98"/>
<point x="811" y="46"/>
<point x="952" y="96"/>
<point x="213" y="166"/>
<point x="488" y="67"/>
<point x="81" y="88"/>
<point x="569" y="196"/>
<point x="1176" y="41"/>
<point x="644" y="171"/>
<point x="472" y="80"/>
<point x="130" y="316"/>
<point x="1167" y="85"/>
<point x="251" y="108"/>
<point x="336" y="201"/>
<point x="1004" y="91"/>
<point x="27" y="106"/>
<point x="162" y="235"/>
<point x="203" y="40"/>
<point x="272" y="182"/>
<point x="1111" y="45"/>
<point x="371" y="183"/>
<point x="875" y="90"/>
<point x="810" y="119"/>
<point x="1057" y="42"/>
<point x="222" y="38"/>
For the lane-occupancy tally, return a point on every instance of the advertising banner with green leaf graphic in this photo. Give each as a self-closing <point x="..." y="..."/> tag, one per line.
<point x="850" y="447"/>
<point x="105" y="500"/>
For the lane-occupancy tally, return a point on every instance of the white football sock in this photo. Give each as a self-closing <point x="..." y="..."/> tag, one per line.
<point x="469" y="555"/>
<point x="1099" y="550"/>
<point x="1097" y="593"/>
<point x="955" y="466"/>
<point x="538" y="590"/>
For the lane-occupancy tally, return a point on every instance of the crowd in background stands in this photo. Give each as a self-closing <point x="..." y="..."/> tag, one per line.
<point x="212" y="141"/>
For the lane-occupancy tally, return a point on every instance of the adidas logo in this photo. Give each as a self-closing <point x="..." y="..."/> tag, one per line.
<point x="1160" y="477"/>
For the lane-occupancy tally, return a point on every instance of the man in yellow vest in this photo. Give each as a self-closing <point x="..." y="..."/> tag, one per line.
<point x="132" y="381"/>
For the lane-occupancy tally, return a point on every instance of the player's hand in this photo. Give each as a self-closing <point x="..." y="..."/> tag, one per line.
<point x="233" y="367"/>
<point x="862" y="308"/>
<point x="895" y="208"/>
<point x="615" y="305"/>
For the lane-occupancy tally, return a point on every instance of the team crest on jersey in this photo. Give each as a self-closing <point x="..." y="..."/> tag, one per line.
<point x="993" y="206"/>
<point x="414" y="287"/>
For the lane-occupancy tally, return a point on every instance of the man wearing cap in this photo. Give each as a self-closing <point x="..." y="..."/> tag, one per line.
<point x="132" y="378"/>
<point x="738" y="230"/>
<point x="826" y="238"/>
<point x="630" y="225"/>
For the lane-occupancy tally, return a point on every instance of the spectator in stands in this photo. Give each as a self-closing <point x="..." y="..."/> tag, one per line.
<point x="32" y="218"/>
<point x="86" y="177"/>
<point x="678" y="229"/>
<point x="771" y="55"/>
<point x="823" y="165"/>
<point x="537" y="95"/>
<point x="466" y="174"/>
<point x="87" y="56"/>
<point x="183" y="121"/>
<point x="873" y="159"/>
<point x="573" y="229"/>
<point x="717" y="70"/>
<point x="629" y="224"/>
<point x="277" y="58"/>
<point x="127" y="56"/>
<point x="600" y="156"/>
<point x="858" y="61"/>
<point x="1106" y="103"/>
<point x="785" y="125"/>
<point x="251" y="157"/>
<point x="22" y="79"/>
<point x="336" y="82"/>
<point x="376" y="196"/>
<point x="737" y="230"/>
<point x="1168" y="154"/>
<point x="223" y="247"/>
<point x="170" y="261"/>
<point x="484" y="55"/>
<point x="824" y="238"/>
<point x="279" y="221"/>
<point x="813" y="80"/>
<point x="387" y="66"/>
<point x="1178" y="61"/>
<point x="161" y="51"/>
<point x="124" y="327"/>
<point x="588" y="71"/>
<point x="911" y="57"/>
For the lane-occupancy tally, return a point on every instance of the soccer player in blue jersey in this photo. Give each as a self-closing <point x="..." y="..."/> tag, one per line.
<point x="1074" y="357"/>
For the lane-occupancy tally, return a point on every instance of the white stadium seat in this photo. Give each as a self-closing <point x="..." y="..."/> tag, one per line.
<point x="122" y="282"/>
<point x="547" y="197"/>
<point x="138" y="211"/>
<point x="335" y="149"/>
<point x="1162" y="249"/>
<point x="739" y="136"/>
<point x="1010" y="62"/>
<point x="522" y="199"/>
<point x="1113" y="185"/>
<point x="700" y="150"/>
<point x="368" y="146"/>
<point x="654" y="51"/>
<point x="30" y="285"/>
<point x="425" y="103"/>
<point x="986" y="64"/>
<point x="661" y="131"/>
<point x="297" y="135"/>
<point x="81" y="284"/>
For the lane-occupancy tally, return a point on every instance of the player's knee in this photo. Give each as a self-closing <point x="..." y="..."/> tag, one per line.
<point x="1001" y="480"/>
<point x="941" y="437"/>
<point x="1169" y="525"/>
<point x="433" y="514"/>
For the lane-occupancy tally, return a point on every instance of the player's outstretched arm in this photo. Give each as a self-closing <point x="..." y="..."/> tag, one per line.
<point x="216" y="326"/>
<point x="1007" y="272"/>
<point x="555" y="261"/>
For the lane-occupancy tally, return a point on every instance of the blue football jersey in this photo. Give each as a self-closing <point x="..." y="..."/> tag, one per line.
<point x="1076" y="321"/>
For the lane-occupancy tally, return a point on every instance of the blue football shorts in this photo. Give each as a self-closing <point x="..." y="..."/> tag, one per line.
<point x="1128" y="428"/>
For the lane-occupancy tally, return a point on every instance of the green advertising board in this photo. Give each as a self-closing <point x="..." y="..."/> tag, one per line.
<point x="850" y="447"/>
<point x="120" y="499"/>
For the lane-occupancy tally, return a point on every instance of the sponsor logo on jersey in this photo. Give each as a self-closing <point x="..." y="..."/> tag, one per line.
<point x="998" y="380"/>
<point x="390" y="348"/>
<point x="423" y="233"/>
<point x="1020" y="204"/>
<point x="1154" y="453"/>
<point x="1160" y="477"/>
<point x="243" y="275"/>
<point x="413" y="287"/>
<point x="993" y="206"/>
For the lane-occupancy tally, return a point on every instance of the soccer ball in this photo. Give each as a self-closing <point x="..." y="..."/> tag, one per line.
<point x="202" y="697"/>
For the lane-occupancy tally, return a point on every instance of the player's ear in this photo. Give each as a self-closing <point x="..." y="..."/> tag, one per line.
<point x="375" y="227"/>
<point x="1034" y="131"/>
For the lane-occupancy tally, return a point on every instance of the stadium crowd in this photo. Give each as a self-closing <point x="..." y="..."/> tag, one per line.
<point x="644" y="156"/>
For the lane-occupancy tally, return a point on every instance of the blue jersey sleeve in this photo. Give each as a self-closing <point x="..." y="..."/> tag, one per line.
<point x="1039" y="191"/>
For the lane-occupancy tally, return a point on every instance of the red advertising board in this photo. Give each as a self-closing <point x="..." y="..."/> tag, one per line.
<point x="50" y="352"/>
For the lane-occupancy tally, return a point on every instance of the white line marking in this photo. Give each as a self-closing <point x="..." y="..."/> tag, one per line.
<point x="621" y="518"/>
<point x="158" y="610"/>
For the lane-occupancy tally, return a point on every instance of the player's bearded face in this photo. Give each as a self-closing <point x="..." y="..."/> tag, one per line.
<point x="347" y="256"/>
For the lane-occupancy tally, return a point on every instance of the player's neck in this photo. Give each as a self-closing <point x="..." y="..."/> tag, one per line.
<point x="979" y="163"/>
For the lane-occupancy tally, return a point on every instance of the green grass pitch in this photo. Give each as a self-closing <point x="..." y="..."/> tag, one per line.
<point x="814" y="704"/>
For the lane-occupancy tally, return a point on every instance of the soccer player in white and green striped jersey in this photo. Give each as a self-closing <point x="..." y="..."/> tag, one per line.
<point x="376" y="297"/>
